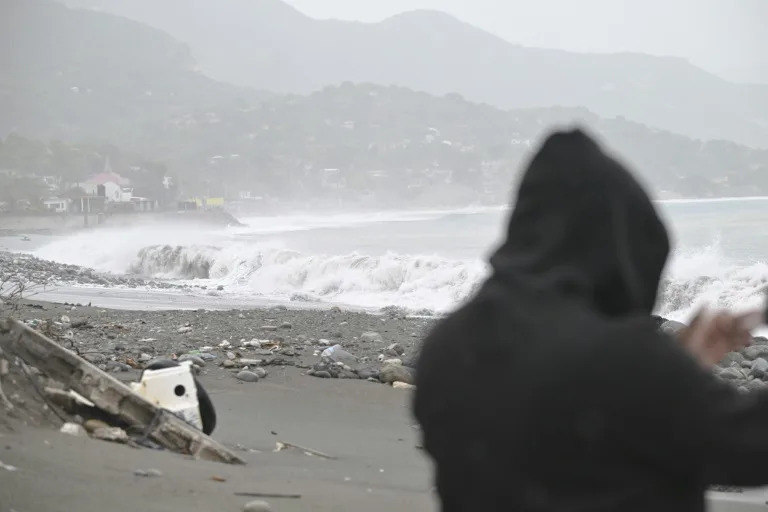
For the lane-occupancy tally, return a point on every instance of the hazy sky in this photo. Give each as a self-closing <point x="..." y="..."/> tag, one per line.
<point x="716" y="34"/>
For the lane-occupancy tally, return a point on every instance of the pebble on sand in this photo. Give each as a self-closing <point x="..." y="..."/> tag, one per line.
<point x="402" y="385"/>
<point x="148" y="473"/>
<point x="247" y="376"/>
<point x="371" y="337"/>
<point x="73" y="429"/>
<point x="257" y="506"/>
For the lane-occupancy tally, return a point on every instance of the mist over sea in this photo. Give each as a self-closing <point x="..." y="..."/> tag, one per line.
<point x="420" y="260"/>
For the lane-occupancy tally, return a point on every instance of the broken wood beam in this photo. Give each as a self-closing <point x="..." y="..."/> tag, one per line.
<point x="109" y="394"/>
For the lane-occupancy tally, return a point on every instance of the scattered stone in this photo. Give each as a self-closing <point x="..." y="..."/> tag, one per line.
<point x="371" y="337"/>
<point x="231" y="355"/>
<point x="260" y="372"/>
<point x="228" y="363"/>
<point x="732" y="374"/>
<point x="392" y="362"/>
<point x="145" y="358"/>
<point x="112" y="434"/>
<point x="247" y="376"/>
<point x="732" y="357"/>
<point x="93" y="424"/>
<point x="671" y="327"/>
<point x="759" y="368"/>
<point x="402" y="385"/>
<point x="257" y="506"/>
<point x="321" y="374"/>
<point x="395" y="350"/>
<point x="73" y="429"/>
<point x="95" y="358"/>
<point x="755" y="384"/>
<point x="268" y="327"/>
<point x="195" y="359"/>
<point x="148" y="473"/>
<point x="755" y="351"/>
<point x="396" y="373"/>
<point x="184" y="330"/>
<point x="286" y="325"/>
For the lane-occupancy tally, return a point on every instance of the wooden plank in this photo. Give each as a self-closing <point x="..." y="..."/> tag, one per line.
<point x="109" y="394"/>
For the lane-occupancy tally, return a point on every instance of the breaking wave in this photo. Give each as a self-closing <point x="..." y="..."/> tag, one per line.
<point x="421" y="282"/>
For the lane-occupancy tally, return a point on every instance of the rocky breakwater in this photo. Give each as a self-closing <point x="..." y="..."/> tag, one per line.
<point x="35" y="273"/>
<point x="746" y="369"/>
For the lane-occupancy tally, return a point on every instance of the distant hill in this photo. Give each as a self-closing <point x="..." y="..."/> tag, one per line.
<point x="73" y="73"/>
<point x="270" y="45"/>
<point x="99" y="81"/>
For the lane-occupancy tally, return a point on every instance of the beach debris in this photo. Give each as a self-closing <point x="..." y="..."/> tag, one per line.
<point x="257" y="506"/>
<point x="148" y="473"/>
<point x="282" y="445"/>
<point x="267" y="495"/>
<point x="73" y="429"/>
<point x="8" y="467"/>
<point x="247" y="376"/>
<point x="111" y="434"/>
<point x="92" y="425"/>
<point x="216" y="478"/>
<point x="110" y="395"/>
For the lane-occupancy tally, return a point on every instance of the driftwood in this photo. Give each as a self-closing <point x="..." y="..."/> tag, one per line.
<point x="109" y="394"/>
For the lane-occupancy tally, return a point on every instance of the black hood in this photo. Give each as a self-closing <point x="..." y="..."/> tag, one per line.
<point x="582" y="225"/>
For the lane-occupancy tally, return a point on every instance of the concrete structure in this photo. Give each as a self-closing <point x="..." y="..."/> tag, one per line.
<point x="56" y="204"/>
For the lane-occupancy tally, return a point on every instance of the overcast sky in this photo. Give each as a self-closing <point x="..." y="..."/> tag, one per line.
<point x="716" y="34"/>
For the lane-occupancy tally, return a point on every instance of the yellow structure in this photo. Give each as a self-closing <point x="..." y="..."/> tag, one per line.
<point x="208" y="202"/>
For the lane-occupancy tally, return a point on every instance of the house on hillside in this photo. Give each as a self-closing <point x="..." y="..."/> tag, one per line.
<point x="56" y="204"/>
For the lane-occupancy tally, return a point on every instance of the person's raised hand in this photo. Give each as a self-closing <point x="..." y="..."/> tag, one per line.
<point x="709" y="337"/>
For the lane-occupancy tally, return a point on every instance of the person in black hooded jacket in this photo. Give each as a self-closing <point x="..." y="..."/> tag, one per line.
<point x="552" y="389"/>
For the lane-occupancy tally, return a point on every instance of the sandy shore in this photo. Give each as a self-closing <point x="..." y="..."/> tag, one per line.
<point x="366" y="425"/>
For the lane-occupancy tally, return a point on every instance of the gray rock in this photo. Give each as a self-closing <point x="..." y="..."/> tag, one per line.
<point x="396" y="373"/>
<point x="228" y="363"/>
<point x="247" y="376"/>
<point x="759" y="368"/>
<point x="184" y="330"/>
<point x="322" y="374"/>
<point x="286" y="325"/>
<point x="73" y="429"/>
<point x="395" y="350"/>
<point x="732" y="374"/>
<point x="732" y="357"/>
<point x="143" y="358"/>
<point x="342" y="356"/>
<point x="195" y="359"/>
<point x="207" y="356"/>
<point x="755" y="384"/>
<point x="268" y="327"/>
<point x="671" y="327"/>
<point x="760" y="340"/>
<point x="148" y="473"/>
<point x="755" y="351"/>
<point x="95" y="358"/>
<point x="368" y="373"/>
<point x="257" y="506"/>
<point x="371" y="337"/>
<point x="260" y="372"/>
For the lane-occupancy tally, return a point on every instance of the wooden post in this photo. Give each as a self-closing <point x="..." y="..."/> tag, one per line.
<point x="109" y="394"/>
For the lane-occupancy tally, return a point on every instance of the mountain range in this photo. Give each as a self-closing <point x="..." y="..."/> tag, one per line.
<point x="269" y="45"/>
<point x="85" y="77"/>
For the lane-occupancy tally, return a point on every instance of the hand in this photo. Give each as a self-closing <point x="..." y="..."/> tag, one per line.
<point x="710" y="337"/>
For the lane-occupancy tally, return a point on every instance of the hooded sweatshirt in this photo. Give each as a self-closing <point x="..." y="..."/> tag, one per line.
<point x="552" y="389"/>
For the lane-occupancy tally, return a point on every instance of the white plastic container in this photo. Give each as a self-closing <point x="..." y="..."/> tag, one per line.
<point x="173" y="389"/>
